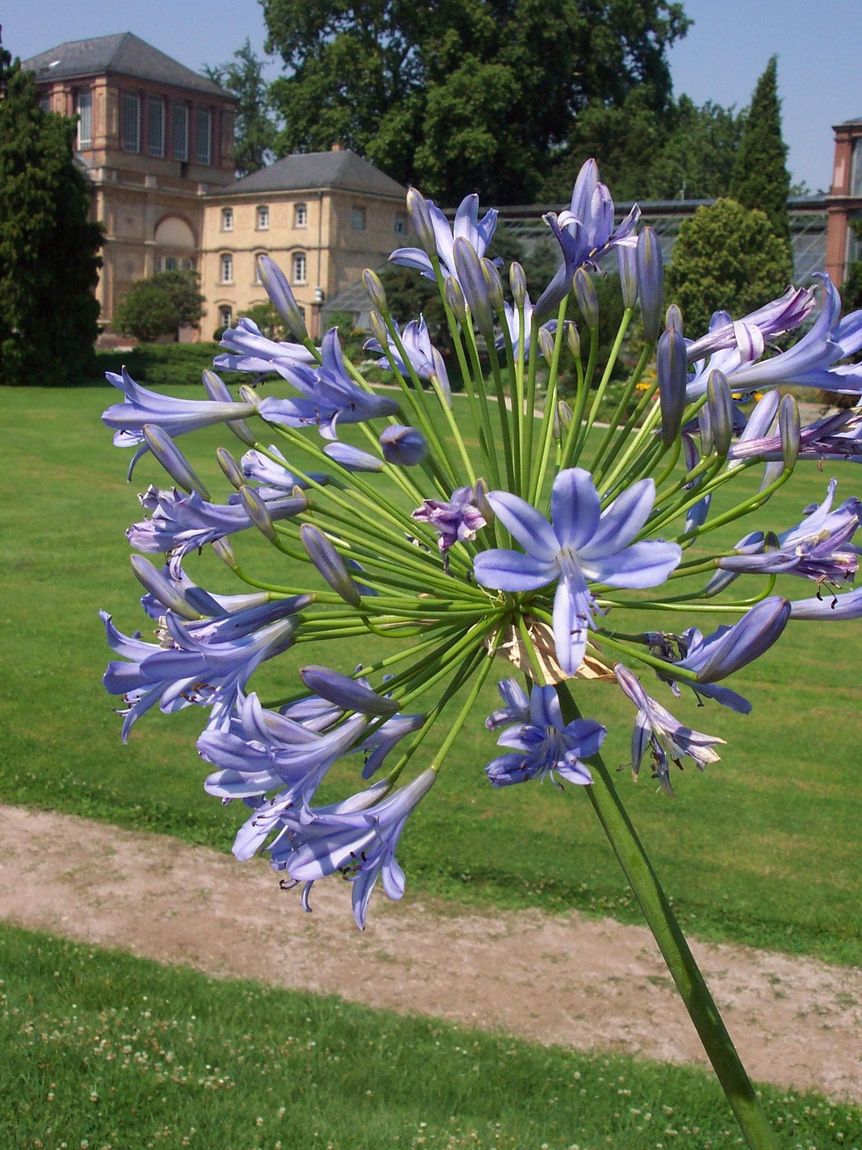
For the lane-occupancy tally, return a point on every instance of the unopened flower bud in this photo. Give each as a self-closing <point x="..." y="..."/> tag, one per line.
<point x="650" y="282"/>
<point x="494" y="284"/>
<point x="345" y="692"/>
<point x="282" y="298"/>
<point x="573" y="339"/>
<point x="372" y="284"/>
<point x="230" y="467"/>
<point x="405" y="446"/>
<point x="562" y="419"/>
<point x="223" y="549"/>
<point x="455" y="299"/>
<point x="469" y="269"/>
<point x="249" y="395"/>
<point x="518" y="284"/>
<point x="627" y="262"/>
<point x="671" y="367"/>
<point x="173" y="460"/>
<point x="420" y="217"/>
<point x="217" y="389"/>
<point x="673" y="319"/>
<point x="257" y="512"/>
<point x="704" y="427"/>
<point x="546" y="345"/>
<point x="720" y="404"/>
<point x="161" y="588"/>
<point x="329" y="563"/>
<point x="378" y="328"/>
<point x="789" y="429"/>
<point x="585" y="294"/>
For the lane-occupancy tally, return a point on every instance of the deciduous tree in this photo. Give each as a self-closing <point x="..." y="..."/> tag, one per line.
<point x="160" y="305"/>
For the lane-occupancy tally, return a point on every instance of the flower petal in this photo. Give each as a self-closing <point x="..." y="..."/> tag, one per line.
<point x="525" y="525"/>
<point x="511" y="571"/>
<point x="574" y="507"/>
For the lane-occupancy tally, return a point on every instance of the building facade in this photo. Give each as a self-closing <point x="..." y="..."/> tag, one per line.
<point x="156" y="141"/>
<point x="844" y="202"/>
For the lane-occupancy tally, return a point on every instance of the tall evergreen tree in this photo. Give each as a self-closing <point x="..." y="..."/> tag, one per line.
<point x="760" y="176"/>
<point x="48" y="246"/>
<point x="256" y="128"/>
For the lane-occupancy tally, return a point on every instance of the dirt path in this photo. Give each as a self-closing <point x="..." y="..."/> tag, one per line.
<point x="577" y="982"/>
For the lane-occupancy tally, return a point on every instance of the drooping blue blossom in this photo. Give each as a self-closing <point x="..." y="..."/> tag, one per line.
<point x="421" y="354"/>
<point x="176" y="416"/>
<point x="327" y="395"/>
<point x="262" y="751"/>
<point x="273" y="475"/>
<point x="352" y="458"/>
<point x="755" y="330"/>
<point x="457" y="519"/>
<point x="171" y="588"/>
<point x="187" y="669"/>
<point x="385" y="738"/>
<point x="832" y="607"/>
<point x="250" y="350"/>
<point x="582" y="544"/>
<point x="544" y="745"/>
<point x="817" y="548"/>
<point x="665" y="737"/>
<point x="466" y="225"/>
<point x="516" y="708"/>
<point x="180" y="523"/>
<point x="359" y="845"/>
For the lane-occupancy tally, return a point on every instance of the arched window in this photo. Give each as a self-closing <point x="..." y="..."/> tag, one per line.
<point x="300" y="268"/>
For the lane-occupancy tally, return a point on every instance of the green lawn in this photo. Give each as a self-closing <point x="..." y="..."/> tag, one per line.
<point x="101" y="1050"/>
<point x="763" y="848"/>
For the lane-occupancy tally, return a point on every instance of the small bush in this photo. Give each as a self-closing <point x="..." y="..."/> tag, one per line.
<point x="163" y="364"/>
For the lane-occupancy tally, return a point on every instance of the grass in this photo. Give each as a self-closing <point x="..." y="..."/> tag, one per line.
<point x="103" y="1051"/>
<point x="762" y="848"/>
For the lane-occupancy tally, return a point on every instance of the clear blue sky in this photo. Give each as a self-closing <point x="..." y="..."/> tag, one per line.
<point x="817" y="44"/>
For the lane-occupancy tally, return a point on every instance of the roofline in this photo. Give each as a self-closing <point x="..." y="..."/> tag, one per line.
<point x="311" y="191"/>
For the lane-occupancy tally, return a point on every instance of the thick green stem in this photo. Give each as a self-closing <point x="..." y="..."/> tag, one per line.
<point x="680" y="961"/>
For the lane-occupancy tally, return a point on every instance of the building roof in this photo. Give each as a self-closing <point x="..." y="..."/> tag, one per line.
<point x="849" y="123"/>
<point x="124" y="54"/>
<point x="307" y="171"/>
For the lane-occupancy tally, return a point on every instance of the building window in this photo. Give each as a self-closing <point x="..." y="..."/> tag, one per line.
<point x="156" y="127"/>
<point x="180" y="131"/>
<point x="856" y="168"/>
<point x="300" y="216"/>
<point x="357" y="219"/>
<point x="203" y="135"/>
<point x="130" y="135"/>
<point x="227" y="219"/>
<point x="300" y="268"/>
<point x="174" y="264"/>
<point x="400" y="226"/>
<point x="225" y="315"/>
<point x="263" y="218"/>
<point x="226" y="269"/>
<point x="45" y="101"/>
<point x="84" y="111"/>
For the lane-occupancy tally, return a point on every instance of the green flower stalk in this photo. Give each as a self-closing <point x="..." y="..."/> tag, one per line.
<point x="526" y="537"/>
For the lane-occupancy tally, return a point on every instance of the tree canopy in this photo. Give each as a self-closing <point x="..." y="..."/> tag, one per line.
<point x="726" y="256"/>
<point x="48" y="247"/>
<point x="462" y="95"/>
<point x="160" y="305"/>
<point x="255" y="129"/>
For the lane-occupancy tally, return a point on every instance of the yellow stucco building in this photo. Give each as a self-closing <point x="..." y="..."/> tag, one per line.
<point x="156" y="142"/>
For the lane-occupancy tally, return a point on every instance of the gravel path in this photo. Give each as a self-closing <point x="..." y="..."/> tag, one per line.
<point x="583" y="983"/>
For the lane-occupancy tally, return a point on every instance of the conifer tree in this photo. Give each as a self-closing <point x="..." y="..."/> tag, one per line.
<point x="48" y="247"/>
<point x="760" y="176"/>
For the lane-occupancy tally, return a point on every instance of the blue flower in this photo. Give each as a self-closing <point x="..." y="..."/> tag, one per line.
<point x="818" y="548"/>
<point x="467" y="225"/>
<point x="656" y="729"/>
<point x="582" y="543"/>
<point x="543" y="745"/>
<point x="456" y="519"/>
<point x="585" y="233"/>
<point x="359" y="845"/>
<point x="181" y="523"/>
<point x="250" y="350"/>
<point x="190" y="669"/>
<point x="422" y="356"/>
<point x="516" y="708"/>
<point x="328" y="395"/>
